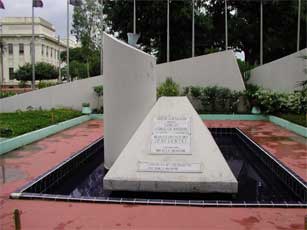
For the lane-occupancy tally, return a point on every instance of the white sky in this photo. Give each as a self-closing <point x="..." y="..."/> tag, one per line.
<point x="53" y="11"/>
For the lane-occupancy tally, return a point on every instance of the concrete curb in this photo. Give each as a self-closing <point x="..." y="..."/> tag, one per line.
<point x="27" y="138"/>
<point x="298" y="129"/>
<point x="233" y="117"/>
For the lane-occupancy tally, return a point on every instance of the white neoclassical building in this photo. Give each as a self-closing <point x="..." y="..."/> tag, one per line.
<point x="15" y="37"/>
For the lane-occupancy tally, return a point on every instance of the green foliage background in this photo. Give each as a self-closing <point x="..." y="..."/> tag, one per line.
<point x="43" y="71"/>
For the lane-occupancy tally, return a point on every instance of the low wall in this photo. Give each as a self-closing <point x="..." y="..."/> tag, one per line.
<point x="219" y="69"/>
<point x="282" y="74"/>
<point x="70" y="95"/>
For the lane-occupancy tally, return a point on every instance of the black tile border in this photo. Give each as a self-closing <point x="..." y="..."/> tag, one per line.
<point x="293" y="181"/>
<point x="22" y="193"/>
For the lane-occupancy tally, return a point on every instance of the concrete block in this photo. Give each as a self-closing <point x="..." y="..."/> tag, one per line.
<point x="171" y="151"/>
<point x="216" y="69"/>
<point x="129" y="93"/>
<point x="282" y="74"/>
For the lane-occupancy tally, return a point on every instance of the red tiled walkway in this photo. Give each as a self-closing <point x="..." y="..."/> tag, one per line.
<point x="31" y="161"/>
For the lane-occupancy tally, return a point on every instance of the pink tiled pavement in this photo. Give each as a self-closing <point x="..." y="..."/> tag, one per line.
<point x="23" y="165"/>
<point x="286" y="146"/>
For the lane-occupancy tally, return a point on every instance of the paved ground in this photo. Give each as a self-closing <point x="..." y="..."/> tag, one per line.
<point x="22" y="165"/>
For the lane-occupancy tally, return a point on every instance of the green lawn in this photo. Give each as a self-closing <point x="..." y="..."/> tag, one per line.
<point x="299" y="119"/>
<point x="14" y="124"/>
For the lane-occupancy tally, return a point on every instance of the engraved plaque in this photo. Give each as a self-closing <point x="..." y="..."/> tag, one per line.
<point x="169" y="167"/>
<point x="171" y="135"/>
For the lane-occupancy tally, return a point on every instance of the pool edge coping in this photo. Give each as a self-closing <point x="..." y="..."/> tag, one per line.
<point x="21" y="194"/>
<point x="28" y="138"/>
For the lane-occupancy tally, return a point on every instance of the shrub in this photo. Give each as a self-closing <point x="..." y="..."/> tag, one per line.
<point x="45" y="84"/>
<point x="78" y="70"/>
<point x="99" y="92"/>
<point x="271" y="102"/>
<point x="22" y="84"/>
<point x="250" y="92"/>
<point x="214" y="99"/>
<point x="6" y="94"/>
<point x="43" y="71"/>
<point x="245" y="68"/>
<point x="185" y="91"/>
<point x="222" y="99"/>
<point x="268" y="101"/>
<point x="168" y="88"/>
<point x="294" y="102"/>
<point x="6" y="132"/>
<point x="208" y="98"/>
<point x="195" y="91"/>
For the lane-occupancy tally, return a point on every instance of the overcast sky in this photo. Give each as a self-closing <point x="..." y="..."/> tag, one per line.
<point x="53" y="11"/>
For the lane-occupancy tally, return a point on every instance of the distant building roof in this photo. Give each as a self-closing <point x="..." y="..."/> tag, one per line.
<point x="21" y="27"/>
<point x="26" y="21"/>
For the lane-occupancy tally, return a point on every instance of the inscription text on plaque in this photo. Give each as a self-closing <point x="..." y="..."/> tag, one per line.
<point x="169" y="167"/>
<point x="171" y="135"/>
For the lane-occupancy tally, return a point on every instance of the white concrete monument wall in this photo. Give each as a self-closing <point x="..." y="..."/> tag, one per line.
<point x="129" y="93"/>
<point x="68" y="95"/>
<point x="282" y="74"/>
<point x="219" y="69"/>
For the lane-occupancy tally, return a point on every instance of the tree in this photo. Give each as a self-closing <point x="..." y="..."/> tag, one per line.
<point x="77" y="70"/>
<point x="280" y="24"/>
<point x="279" y="28"/>
<point x="24" y="73"/>
<point x="43" y="71"/>
<point x="74" y="54"/>
<point x="152" y="25"/>
<point x="87" y="27"/>
<point x="99" y="93"/>
<point x="87" y="24"/>
<point x="92" y="61"/>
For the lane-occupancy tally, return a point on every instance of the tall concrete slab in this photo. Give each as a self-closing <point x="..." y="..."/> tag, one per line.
<point x="216" y="69"/>
<point x="129" y="93"/>
<point x="283" y="74"/>
<point x="171" y="151"/>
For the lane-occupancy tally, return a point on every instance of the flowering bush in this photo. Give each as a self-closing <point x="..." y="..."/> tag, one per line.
<point x="214" y="99"/>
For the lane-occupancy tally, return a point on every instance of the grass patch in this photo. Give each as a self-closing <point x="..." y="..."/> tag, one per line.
<point x="18" y="123"/>
<point x="299" y="119"/>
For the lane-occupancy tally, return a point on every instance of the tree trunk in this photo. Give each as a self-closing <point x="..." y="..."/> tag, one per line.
<point x="88" y="68"/>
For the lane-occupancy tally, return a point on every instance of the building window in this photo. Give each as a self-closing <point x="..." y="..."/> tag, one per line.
<point x="43" y="47"/>
<point x="10" y="48"/>
<point x="11" y="74"/>
<point x="51" y="52"/>
<point x="21" y="49"/>
<point x="47" y="51"/>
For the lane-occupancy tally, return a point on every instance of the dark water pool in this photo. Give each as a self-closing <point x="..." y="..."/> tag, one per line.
<point x="263" y="181"/>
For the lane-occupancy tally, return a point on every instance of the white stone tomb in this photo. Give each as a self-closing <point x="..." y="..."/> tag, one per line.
<point x="171" y="151"/>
